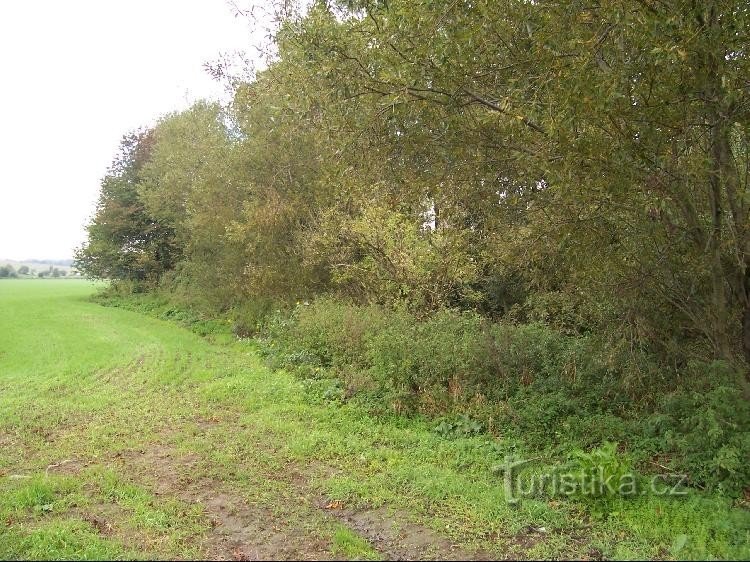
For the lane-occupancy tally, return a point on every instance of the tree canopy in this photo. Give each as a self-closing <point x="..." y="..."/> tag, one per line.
<point x="580" y="164"/>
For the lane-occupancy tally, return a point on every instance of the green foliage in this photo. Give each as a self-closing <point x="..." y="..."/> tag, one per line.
<point x="706" y="434"/>
<point x="328" y="333"/>
<point x="318" y="390"/>
<point x="459" y="426"/>
<point x="442" y="361"/>
<point x="599" y="473"/>
<point x="249" y="317"/>
<point x="385" y="255"/>
<point x="124" y="241"/>
<point x="553" y="391"/>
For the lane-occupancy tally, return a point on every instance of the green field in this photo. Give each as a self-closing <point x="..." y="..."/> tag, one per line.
<point x="125" y="436"/>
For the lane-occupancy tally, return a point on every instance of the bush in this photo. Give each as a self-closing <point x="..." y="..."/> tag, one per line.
<point x="597" y="473"/>
<point x="328" y="333"/>
<point x="448" y="361"/>
<point x="441" y="361"/>
<point x="458" y="426"/>
<point x="706" y="433"/>
<point x="248" y="319"/>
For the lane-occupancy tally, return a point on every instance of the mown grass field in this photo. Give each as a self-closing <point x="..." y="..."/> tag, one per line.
<point x="126" y="436"/>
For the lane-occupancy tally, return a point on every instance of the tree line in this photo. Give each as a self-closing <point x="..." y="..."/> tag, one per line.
<point x="577" y="166"/>
<point x="8" y="271"/>
<point x="584" y="164"/>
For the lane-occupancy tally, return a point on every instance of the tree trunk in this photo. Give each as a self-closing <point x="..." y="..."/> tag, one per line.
<point x="746" y="334"/>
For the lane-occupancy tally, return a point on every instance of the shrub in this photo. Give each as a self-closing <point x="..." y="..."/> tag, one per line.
<point x="331" y="333"/>
<point x="707" y="435"/>
<point x="592" y="471"/>
<point x="458" y="426"/>
<point x="249" y="317"/>
<point x="442" y="360"/>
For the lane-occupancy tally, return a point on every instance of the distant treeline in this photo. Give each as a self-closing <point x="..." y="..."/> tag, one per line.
<point x="8" y="271"/>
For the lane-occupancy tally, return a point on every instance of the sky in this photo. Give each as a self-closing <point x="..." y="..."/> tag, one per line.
<point x="77" y="75"/>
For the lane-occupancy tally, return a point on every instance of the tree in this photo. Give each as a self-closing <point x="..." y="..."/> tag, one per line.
<point x="599" y="150"/>
<point x="583" y="165"/>
<point x="124" y="241"/>
<point x="193" y="184"/>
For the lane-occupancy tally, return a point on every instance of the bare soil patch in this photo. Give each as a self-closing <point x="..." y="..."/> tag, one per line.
<point x="241" y="530"/>
<point x="397" y="538"/>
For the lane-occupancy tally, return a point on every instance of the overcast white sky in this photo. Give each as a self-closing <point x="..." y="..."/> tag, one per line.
<point x="77" y="75"/>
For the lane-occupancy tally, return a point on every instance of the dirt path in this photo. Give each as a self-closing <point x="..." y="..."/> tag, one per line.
<point x="251" y="530"/>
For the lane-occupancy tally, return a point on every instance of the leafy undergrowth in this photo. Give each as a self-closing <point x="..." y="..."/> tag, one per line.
<point x="554" y="392"/>
<point x="96" y="385"/>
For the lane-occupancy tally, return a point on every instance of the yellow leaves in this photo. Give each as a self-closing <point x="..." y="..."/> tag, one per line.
<point x="335" y="504"/>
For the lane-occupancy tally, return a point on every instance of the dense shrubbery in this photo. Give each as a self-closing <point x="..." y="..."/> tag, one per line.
<point x="554" y="392"/>
<point x="707" y="433"/>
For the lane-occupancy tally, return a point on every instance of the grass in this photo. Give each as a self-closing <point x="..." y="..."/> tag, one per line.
<point x="348" y="544"/>
<point x="121" y="433"/>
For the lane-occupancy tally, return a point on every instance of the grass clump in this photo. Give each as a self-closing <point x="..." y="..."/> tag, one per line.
<point x="351" y="546"/>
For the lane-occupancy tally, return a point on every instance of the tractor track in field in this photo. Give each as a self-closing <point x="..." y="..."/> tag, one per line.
<point x="249" y="530"/>
<point x="241" y="528"/>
